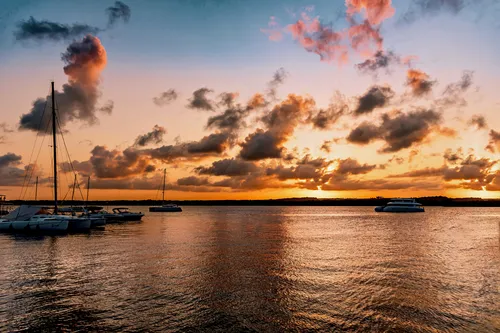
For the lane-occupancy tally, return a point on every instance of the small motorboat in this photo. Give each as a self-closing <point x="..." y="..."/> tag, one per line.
<point x="124" y="214"/>
<point x="401" y="205"/>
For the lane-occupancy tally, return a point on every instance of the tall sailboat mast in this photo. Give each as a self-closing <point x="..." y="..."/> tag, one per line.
<point x="54" y="133"/>
<point x="88" y="189"/>
<point x="36" y="189"/>
<point x="163" y="193"/>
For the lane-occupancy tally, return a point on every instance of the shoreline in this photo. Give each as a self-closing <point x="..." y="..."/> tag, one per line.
<point x="426" y="201"/>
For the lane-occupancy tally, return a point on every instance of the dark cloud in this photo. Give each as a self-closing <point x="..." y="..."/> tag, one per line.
<point x="261" y="145"/>
<point x="453" y="94"/>
<point x="10" y="173"/>
<point x="472" y="173"/>
<point x="192" y="181"/>
<point x="200" y="101"/>
<point x="84" y="61"/>
<point x="10" y="159"/>
<point x="116" y="164"/>
<point x="364" y="134"/>
<point x="399" y="130"/>
<point x="155" y="136"/>
<point x="33" y="29"/>
<point x="83" y="168"/>
<point x="419" y="82"/>
<point x="406" y="129"/>
<point x="453" y="157"/>
<point x="228" y="167"/>
<point x="478" y="121"/>
<point x="375" y="97"/>
<point x="280" y="122"/>
<point x="324" y="119"/>
<point x="119" y="11"/>
<point x="165" y="97"/>
<point x="494" y="143"/>
<point x="381" y="60"/>
<point x="278" y="79"/>
<point x="213" y="143"/>
<point x="351" y="166"/>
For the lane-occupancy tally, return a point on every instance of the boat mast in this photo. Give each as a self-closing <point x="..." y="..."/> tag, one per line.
<point x="163" y="192"/>
<point x="54" y="146"/>
<point x="88" y="188"/>
<point x="36" y="188"/>
<point x="74" y="185"/>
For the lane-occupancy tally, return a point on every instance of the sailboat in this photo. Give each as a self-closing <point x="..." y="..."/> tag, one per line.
<point x="164" y="208"/>
<point x="36" y="218"/>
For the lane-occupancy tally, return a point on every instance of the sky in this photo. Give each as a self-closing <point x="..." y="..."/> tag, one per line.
<point x="251" y="99"/>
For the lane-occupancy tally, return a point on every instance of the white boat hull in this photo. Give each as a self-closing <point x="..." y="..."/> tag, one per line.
<point x="79" y="224"/>
<point x="34" y="226"/>
<point x="395" y="209"/>
<point x="165" y="209"/>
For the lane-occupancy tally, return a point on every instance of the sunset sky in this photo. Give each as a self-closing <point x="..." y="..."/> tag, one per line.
<point x="252" y="99"/>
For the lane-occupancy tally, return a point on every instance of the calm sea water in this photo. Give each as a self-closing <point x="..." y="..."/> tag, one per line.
<point x="260" y="269"/>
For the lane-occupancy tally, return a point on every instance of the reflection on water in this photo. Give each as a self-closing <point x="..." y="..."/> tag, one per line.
<point x="263" y="269"/>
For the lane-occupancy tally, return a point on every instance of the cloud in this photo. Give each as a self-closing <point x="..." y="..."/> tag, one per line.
<point x="262" y="145"/>
<point x="211" y="145"/>
<point x="478" y="121"/>
<point x="399" y="130"/>
<point x="422" y="8"/>
<point x="47" y="30"/>
<point x="324" y="119"/>
<point x="280" y="122"/>
<point x="380" y="60"/>
<point x="165" y="97"/>
<point x="278" y="79"/>
<point x="10" y="159"/>
<point x="4" y="127"/>
<point x="155" y="136"/>
<point x="351" y="166"/>
<point x="119" y="11"/>
<point x="364" y="134"/>
<point x="379" y="184"/>
<point x="228" y="167"/>
<point x="494" y="143"/>
<point x="375" y="97"/>
<point x="10" y="173"/>
<point x="116" y="164"/>
<point x="84" y="61"/>
<point x="192" y="181"/>
<point x="472" y="173"/>
<point x="453" y="93"/>
<point x="200" y="101"/>
<point x="419" y="82"/>
<point x="376" y="11"/>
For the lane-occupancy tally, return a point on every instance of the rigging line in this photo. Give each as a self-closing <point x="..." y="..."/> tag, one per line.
<point x="67" y="152"/>
<point x="34" y="145"/>
<point x="36" y="159"/>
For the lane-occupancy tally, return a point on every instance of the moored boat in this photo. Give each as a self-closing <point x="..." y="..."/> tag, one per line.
<point x="165" y="208"/>
<point x="401" y="205"/>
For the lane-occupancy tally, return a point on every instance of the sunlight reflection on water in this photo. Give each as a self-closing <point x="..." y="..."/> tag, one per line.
<point x="265" y="269"/>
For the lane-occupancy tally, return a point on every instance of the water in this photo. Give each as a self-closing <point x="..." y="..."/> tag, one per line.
<point x="260" y="269"/>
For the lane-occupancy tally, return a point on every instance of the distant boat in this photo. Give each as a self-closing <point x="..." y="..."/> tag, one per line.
<point x="401" y="205"/>
<point x="165" y="208"/>
<point x="123" y="214"/>
<point x="5" y="208"/>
